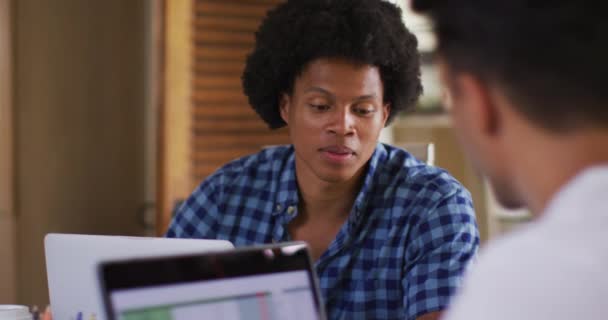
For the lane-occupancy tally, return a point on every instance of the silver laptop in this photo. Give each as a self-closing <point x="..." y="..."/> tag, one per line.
<point x="71" y="262"/>
<point x="275" y="282"/>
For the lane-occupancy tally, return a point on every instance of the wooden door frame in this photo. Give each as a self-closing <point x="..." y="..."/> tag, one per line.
<point x="8" y="271"/>
<point x="173" y="178"/>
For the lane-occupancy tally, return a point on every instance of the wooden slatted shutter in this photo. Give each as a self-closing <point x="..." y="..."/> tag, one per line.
<point x="217" y="124"/>
<point x="224" y="126"/>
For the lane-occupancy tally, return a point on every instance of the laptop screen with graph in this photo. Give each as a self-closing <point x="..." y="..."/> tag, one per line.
<point x="266" y="283"/>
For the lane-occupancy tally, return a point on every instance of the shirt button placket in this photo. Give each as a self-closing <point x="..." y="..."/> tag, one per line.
<point x="291" y="210"/>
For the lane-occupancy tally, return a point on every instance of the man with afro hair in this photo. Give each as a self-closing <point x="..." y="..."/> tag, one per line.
<point x="390" y="236"/>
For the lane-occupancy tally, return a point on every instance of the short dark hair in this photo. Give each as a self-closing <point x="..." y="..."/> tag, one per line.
<point x="548" y="56"/>
<point x="298" y="32"/>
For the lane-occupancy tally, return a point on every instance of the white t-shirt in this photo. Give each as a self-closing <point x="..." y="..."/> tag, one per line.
<point x="555" y="268"/>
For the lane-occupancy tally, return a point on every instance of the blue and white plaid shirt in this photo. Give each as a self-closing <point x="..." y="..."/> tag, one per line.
<point x="401" y="254"/>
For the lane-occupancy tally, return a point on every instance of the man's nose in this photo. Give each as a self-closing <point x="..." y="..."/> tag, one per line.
<point x="342" y="122"/>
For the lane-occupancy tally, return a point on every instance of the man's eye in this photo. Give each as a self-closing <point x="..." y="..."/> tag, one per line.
<point x="364" y="111"/>
<point x="319" y="107"/>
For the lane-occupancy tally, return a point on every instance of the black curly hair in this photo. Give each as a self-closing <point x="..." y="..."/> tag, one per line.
<point x="297" y="32"/>
<point x="547" y="56"/>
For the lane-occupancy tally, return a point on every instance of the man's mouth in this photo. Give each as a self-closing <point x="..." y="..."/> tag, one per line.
<point x="337" y="153"/>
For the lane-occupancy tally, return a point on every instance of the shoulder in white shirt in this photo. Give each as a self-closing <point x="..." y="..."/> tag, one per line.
<point x="555" y="268"/>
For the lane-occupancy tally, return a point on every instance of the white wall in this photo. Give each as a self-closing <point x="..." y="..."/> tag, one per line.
<point x="417" y="24"/>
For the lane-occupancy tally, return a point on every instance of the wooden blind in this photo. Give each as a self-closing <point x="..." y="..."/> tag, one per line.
<point x="205" y="120"/>
<point x="223" y="125"/>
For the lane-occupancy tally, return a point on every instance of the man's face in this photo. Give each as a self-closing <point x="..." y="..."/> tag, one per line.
<point x="480" y="131"/>
<point x="334" y="117"/>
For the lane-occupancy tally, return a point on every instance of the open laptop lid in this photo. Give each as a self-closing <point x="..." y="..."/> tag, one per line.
<point x="72" y="259"/>
<point x="267" y="282"/>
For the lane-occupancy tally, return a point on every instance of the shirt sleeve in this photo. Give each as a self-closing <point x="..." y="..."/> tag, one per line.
<point x="442" y="244"/>
<point x="197" y="217"/>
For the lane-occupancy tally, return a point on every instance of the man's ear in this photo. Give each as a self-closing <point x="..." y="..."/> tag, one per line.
<point x="474" y="95"/>
<point x="386" y="109"/>
<point x="284" y="104"/>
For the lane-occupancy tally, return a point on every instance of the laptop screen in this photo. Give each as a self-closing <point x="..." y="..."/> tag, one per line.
<point x="272" y="282"/>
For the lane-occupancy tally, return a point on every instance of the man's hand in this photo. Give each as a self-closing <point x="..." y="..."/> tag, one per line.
<point x="430" y="316"/>
<point x="46" y="315"/>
